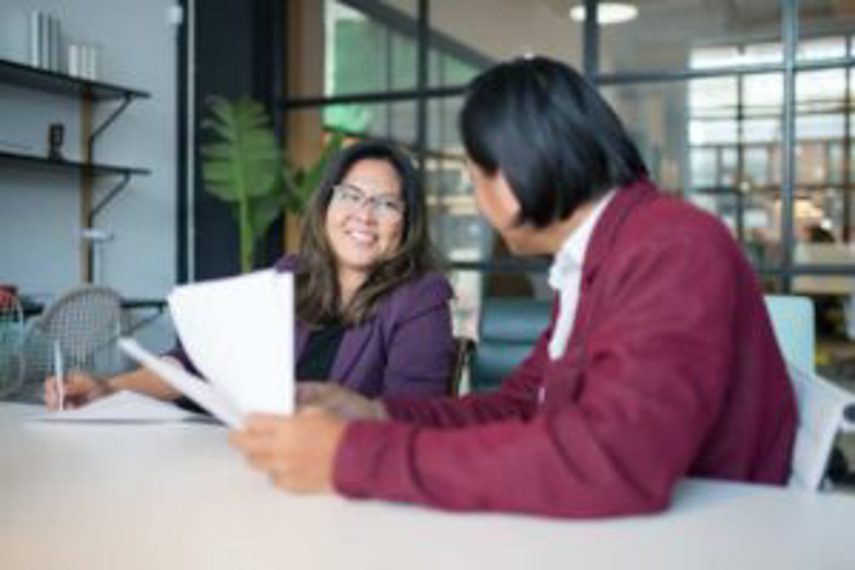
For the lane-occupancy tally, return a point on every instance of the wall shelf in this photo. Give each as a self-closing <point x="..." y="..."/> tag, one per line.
<point x="12" y="73"/>
<point x="32" y="162"/>
<point x="89" y="93"/>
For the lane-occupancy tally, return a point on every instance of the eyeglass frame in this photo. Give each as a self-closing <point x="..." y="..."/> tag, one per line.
<point x="375" y="202"/>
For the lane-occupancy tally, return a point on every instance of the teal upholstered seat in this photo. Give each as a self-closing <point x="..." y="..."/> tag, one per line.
<point x="508" y="329"/>
<point x="510" y="326"/>
<point x="792" y="319"/>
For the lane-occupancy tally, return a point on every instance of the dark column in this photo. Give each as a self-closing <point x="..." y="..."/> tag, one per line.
<point x="235" y="55"/>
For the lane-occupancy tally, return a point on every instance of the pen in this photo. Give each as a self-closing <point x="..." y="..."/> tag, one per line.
<point x="58" y="375"/>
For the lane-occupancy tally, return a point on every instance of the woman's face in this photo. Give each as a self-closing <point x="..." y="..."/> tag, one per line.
<point x="497" y="203"/>
<point x="365" y="216"/>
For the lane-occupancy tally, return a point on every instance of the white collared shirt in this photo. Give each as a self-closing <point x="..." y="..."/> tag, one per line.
<point x="565" y="276"/>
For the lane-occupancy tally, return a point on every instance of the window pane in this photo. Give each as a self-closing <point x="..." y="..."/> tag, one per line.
<point x="370" y="49"/>
<point x="442" y="123"/>
<point x="823" y="26"/>
<point x="823" y="127"/>
<point x="768" y="130"/>
<point x="680" y="35"/>
<point x="655" y="116"/>
<point x="456" y="227"/>
<point x="703" y="168"/>
<point x="835" y="163"/>
<point x="729" y="173"/>
<point x="823" y="207"/>
<point x="820" y="90"/>
<point x="764" y="91"/>
<point x="811" y="164"/>
<point x="756" y="165"/>
<point x="387" y="120"/>
<point x="714" y="98"/>
<point x="815" y="49"/>
<point x="467" y="37"/>
<point x="711" y="132"/>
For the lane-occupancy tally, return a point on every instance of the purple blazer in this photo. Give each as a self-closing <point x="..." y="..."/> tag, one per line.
<point x="405" y="349"/>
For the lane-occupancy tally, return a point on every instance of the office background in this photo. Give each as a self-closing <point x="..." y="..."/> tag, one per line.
<point x="743" y="107"/>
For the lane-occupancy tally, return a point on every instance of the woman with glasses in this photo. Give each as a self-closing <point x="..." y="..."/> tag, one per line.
<point x="372" y="312"/>
<point x="659" y="362"/>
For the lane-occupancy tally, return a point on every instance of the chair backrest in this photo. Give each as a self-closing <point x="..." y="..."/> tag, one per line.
<point x="85" y="324"/>
<point x="509" y="328"/>
<point x="793" y="321"/>
<point x="507" y="331"/>
<point x="822" y="407"/>
<point x="463" y="347"/>
<point x="11" y="343"/>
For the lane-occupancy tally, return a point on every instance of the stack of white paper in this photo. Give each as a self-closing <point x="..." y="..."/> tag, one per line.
<point x="239" y="332"/>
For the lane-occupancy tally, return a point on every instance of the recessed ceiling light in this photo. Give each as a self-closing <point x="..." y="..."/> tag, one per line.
<point x="607" y="13"/>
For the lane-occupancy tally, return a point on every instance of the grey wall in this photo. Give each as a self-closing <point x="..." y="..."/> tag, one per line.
<point x="39" y="214"/>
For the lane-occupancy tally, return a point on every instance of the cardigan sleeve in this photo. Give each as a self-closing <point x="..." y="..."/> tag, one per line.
<point x="656" y="371"/>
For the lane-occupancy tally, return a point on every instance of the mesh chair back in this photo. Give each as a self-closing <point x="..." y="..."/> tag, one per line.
<point x="11" y="342"/>
<point x="85" y="324"/>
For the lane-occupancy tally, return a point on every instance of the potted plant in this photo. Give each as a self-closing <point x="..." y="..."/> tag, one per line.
<point x="243" y="166"/>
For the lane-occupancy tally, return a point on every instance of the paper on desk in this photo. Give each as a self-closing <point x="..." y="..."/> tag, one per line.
<point x="120" y="407"/>
<point x="191" y="386"/>
<point x="239" y="332"/>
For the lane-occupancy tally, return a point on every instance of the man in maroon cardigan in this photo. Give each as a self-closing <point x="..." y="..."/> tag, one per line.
<point x="659" y="363"/>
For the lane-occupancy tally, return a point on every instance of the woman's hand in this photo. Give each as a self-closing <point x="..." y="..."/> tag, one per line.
<point x="340" y="401"/>
<point x="80" y="389"/>
<point x="297" y="452"/>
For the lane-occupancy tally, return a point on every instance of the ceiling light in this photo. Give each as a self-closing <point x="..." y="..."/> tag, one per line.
<point x="607" y="13"/>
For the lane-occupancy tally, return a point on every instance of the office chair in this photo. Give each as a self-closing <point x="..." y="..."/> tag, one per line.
<point x="793" y="322"/>
<point x="823" y="408"/>
<point x="11" y="340"/>
<point x="463" y="347"/>
<point x="83" y="325"/>
<point x="507" y="330"/>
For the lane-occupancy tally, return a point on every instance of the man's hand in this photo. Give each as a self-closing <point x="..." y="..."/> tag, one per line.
<point x="297" y="452"/>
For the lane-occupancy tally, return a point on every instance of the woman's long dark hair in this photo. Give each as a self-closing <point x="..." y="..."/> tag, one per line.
<point x="318" y="290"/>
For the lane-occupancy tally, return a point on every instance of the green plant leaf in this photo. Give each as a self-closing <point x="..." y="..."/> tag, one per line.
<point x="243" y="159"/>
<point x="264" y="210"/>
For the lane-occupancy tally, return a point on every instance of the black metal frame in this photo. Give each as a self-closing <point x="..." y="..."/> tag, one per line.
<point x="427" y="38"/>
<point x="789" y="39"/>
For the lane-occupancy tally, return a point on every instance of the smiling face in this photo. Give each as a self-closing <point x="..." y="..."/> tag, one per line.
<point x="363" y="230"/>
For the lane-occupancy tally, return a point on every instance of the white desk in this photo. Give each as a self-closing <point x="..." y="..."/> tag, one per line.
<point x="176" y="496"/>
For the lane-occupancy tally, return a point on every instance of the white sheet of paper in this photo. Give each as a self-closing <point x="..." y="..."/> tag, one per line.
<point x="122" y="407"/>
<point x="191" y="386"/>
<point x="239" y="332"/>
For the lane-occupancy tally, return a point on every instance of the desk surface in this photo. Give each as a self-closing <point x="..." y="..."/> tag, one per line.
<point x="176" y="496"/>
